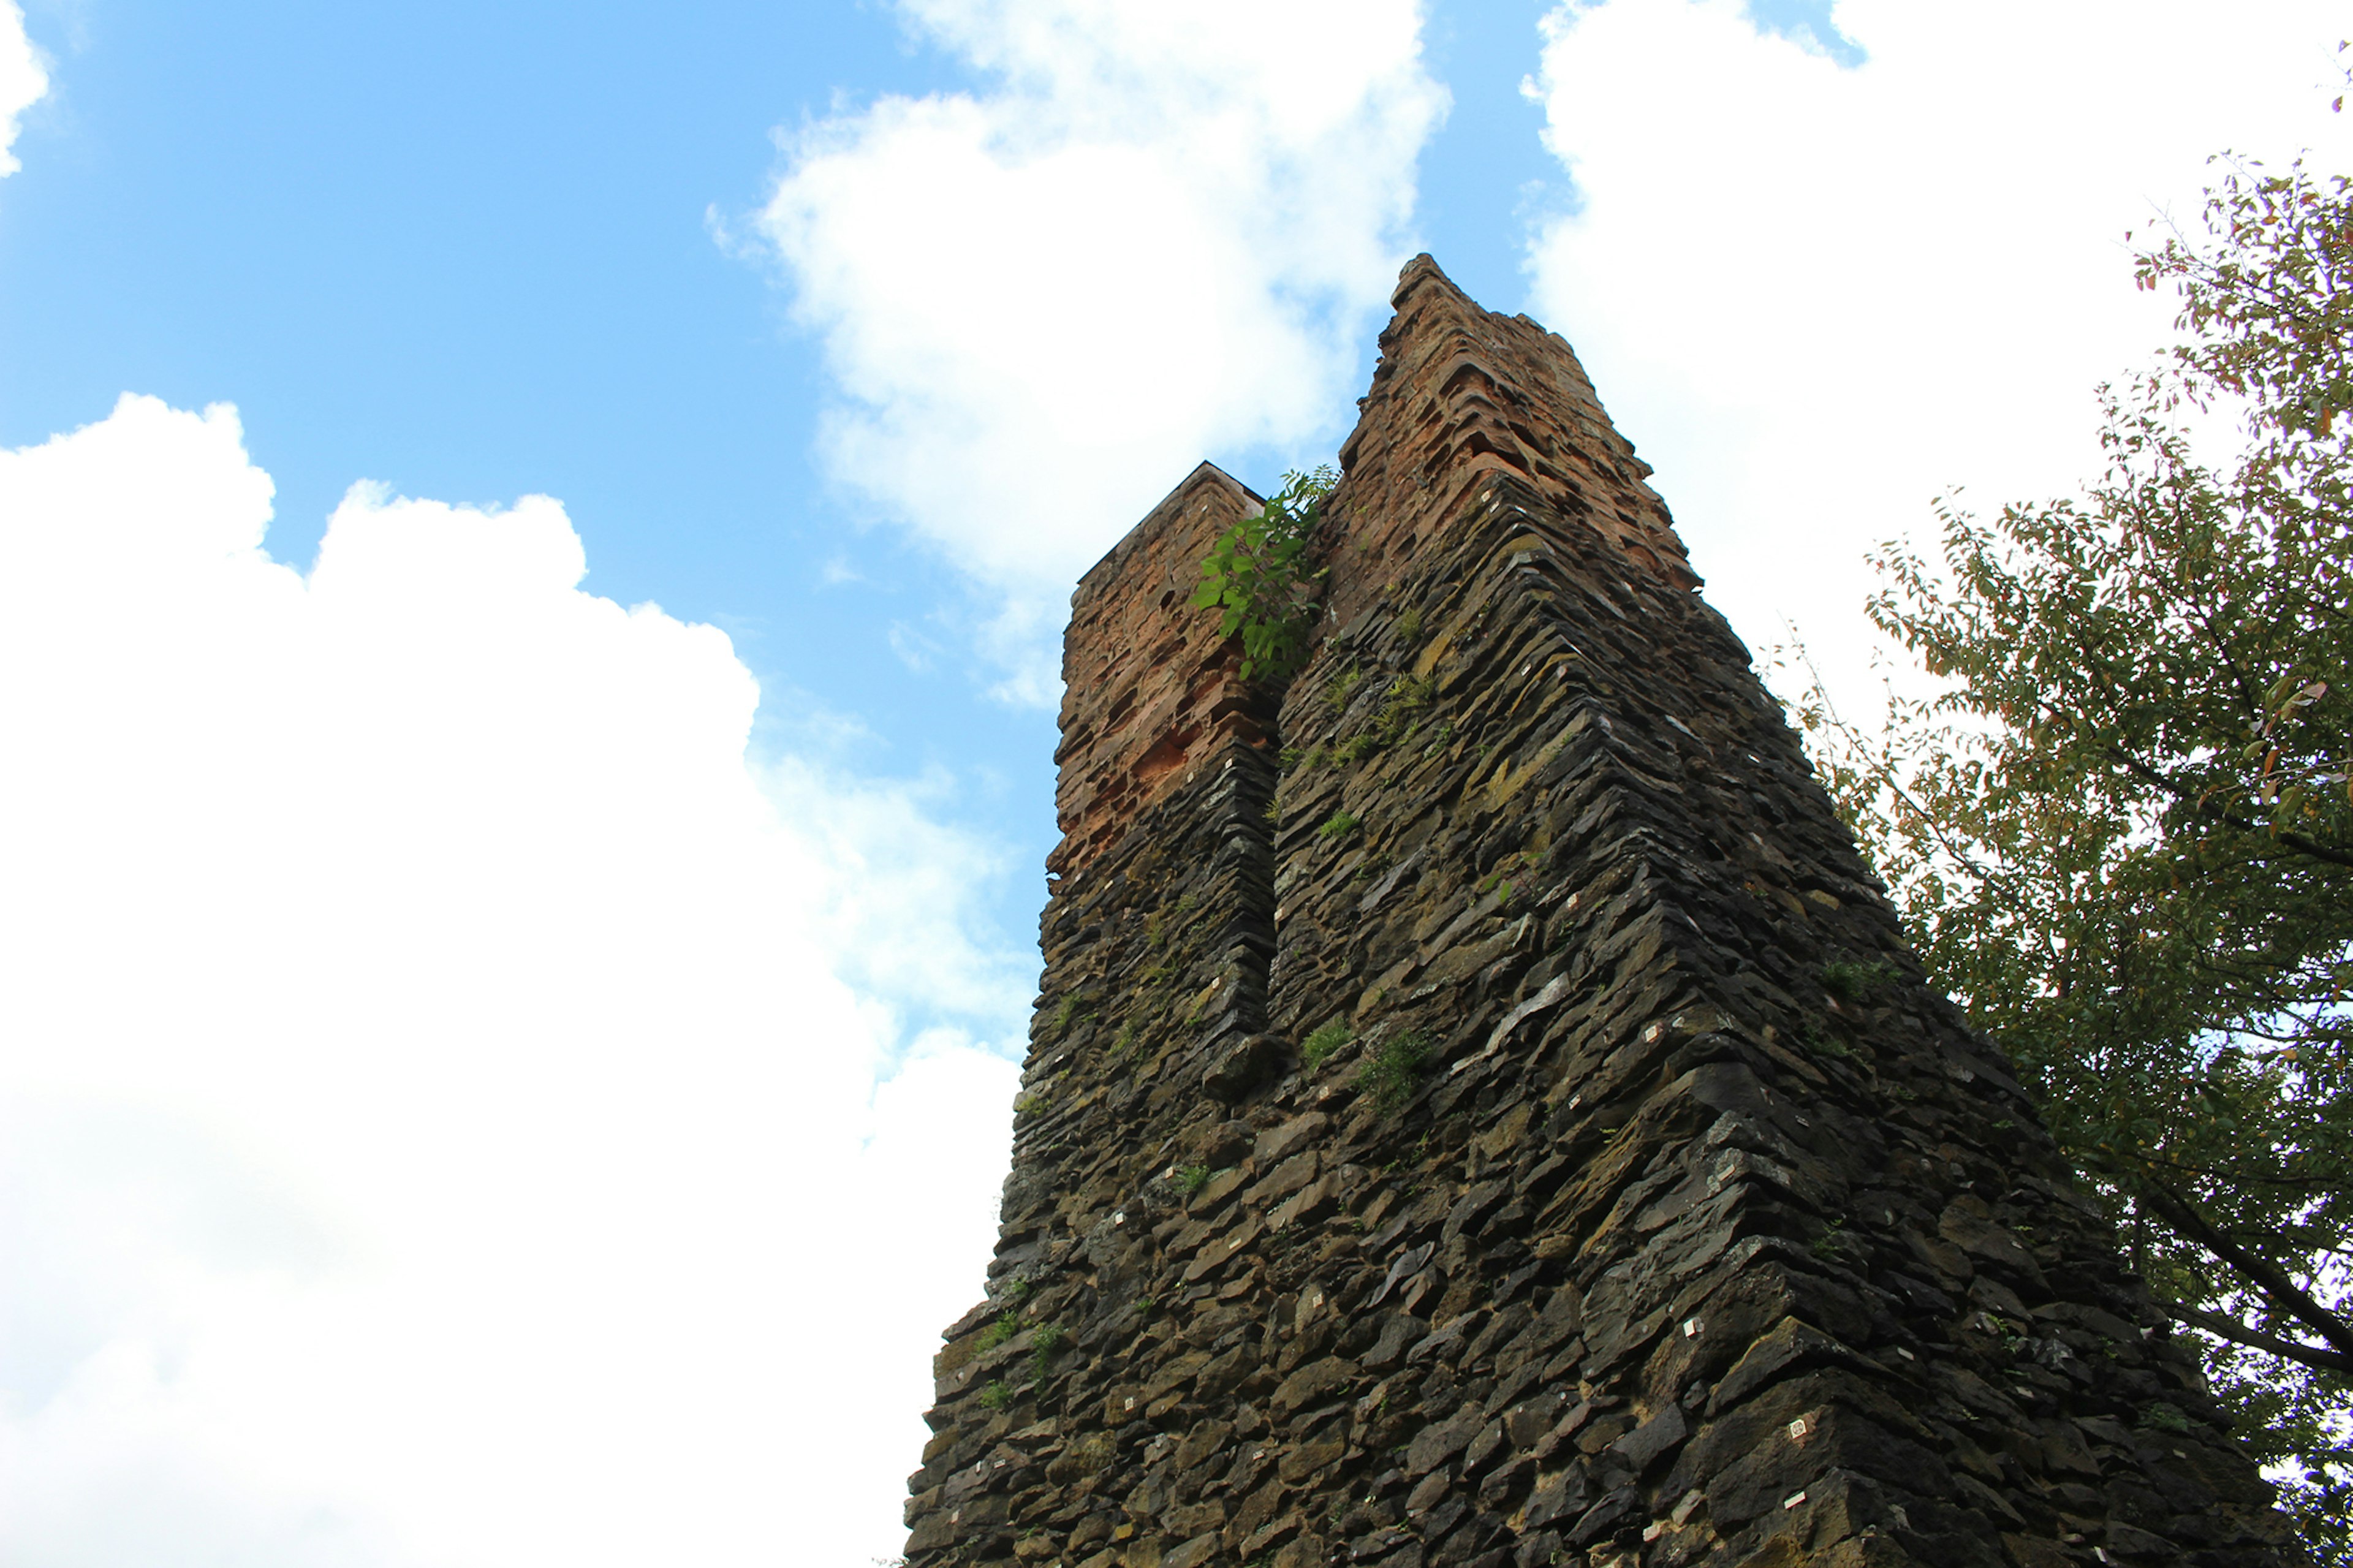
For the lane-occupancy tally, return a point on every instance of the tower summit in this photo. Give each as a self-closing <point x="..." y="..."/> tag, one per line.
<point x="1482" y="1109"/>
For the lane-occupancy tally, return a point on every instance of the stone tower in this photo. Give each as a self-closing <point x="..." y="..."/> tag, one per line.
<point x="1482" y="1109"/>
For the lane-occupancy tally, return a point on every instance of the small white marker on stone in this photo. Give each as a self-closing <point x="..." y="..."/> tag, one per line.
<point x="1797" y="1428"/>
<point x="1907" y="1355"/>
<point x="1120" y="1219"/>
<point x="1793" y="1499"/>
<point x="1691" y="1328"/>
<point x="1131" y="1402"/>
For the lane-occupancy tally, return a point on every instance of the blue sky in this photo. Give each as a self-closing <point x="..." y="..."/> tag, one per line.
<point x="433" y="979"/>
<point x="464" y="249"/>
<point x="467" y="251"/>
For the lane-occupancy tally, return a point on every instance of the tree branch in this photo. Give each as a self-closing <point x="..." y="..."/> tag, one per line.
<point x="2231" y="1328"/>
<point x="2272" y="1279"/>
<point x="2256" y="1178"/>
<point x="1884" y="775"/>
<point x="2211" y="813"/>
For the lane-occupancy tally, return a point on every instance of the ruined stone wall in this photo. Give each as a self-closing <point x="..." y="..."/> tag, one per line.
<point x="1482" y="1111"/>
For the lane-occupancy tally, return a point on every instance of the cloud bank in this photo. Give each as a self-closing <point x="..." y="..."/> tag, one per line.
<point x="23" y="81"/>
<point x="1817" y="296"/>
<point x="1161" y="232"/>
<point x="438" y="1106"/>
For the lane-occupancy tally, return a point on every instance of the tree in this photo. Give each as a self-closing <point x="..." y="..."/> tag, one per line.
<point x="2122" y="835"/>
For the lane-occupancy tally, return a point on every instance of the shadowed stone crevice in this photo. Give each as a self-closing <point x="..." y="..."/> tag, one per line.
<point x="1603" y="1227"/>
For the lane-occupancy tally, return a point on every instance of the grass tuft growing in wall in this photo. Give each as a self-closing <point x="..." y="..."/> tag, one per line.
<point x="1074" y="1007"/>
<point x="1854" y="980"/>
<point x="1394" y="719"/>
<point x="1319" y="1046"/>
<point x="1395" y="1069"/>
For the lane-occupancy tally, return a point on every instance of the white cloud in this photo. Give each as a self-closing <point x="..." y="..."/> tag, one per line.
<point x="23" y="80"/>
<point x="439" y="1116"/>
<point x="1817" y="297"/>
<point x="1163" y="231"/>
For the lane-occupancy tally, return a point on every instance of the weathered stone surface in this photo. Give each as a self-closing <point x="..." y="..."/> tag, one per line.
<point x="1242" y="1066"/>
<point x="1609" y="1235"/>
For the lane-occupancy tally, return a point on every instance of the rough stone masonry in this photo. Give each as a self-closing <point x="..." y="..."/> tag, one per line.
<point x="1482" y="1109"/>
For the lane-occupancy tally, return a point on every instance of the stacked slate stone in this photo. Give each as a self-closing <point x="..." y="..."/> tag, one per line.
<point x="1518" y="1134"/>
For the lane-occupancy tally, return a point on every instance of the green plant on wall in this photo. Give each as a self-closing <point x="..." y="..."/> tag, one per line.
<point x="1855" y="980"/>
<point x="1074" y="1008"/>
<point x="1343" y="684"/>
<point x="1261" y="574"/>
<point x="1044" y="1345"/>
<point x="1320" y="1045"/>
<point x="1389" y="1078"/>
<point x="1394" y="719"/>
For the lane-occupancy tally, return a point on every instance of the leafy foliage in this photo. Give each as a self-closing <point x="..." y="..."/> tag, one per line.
<point x="2123" y="835"/>
<point x="1261" y="573"/>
